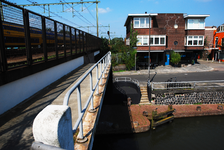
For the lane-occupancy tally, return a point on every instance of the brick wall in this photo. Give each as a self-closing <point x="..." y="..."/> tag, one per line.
<point x="210" y="36"/>
<point x="163" y="24"/>
<point x="195" y="32"/>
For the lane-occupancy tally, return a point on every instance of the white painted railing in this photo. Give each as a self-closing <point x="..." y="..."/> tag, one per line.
<point x="103" y="62"/>
<point x="187" y="84"/>
<point x="125" y="79"/>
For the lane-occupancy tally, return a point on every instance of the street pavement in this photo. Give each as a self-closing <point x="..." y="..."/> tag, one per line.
<point x="202" y="71"/>
<point x="201" y="66"/>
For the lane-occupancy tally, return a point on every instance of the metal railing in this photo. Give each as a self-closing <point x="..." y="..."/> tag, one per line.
<point x="103" y="62"/>
<point x="125" y="79"/>
<point x="186" y="84"/>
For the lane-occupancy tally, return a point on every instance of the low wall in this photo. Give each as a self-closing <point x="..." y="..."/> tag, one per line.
<point x="189" y="97"/>
<point x="16" y="92"/>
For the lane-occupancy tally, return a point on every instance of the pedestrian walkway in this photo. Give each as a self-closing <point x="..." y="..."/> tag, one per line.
<point x="16" y="125"/>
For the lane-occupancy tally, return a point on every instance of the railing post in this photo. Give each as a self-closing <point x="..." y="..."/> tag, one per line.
<point x="97" y="92"/>
<point x="80" y="135"/>
<point x="91" y="89"/>
<point x="101" y="71"/>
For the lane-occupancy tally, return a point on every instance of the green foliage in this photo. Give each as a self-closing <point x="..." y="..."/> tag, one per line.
<point x="104" y="46"/>
<point x="116" y="41"/>
<point x="122" y="54"/>
<point x="129" y="59"/>
<point x="175" y="57"/>
<point x="133" y="37"/>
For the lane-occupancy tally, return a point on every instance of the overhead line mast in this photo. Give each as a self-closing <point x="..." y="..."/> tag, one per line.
<point x="81" y="2"/>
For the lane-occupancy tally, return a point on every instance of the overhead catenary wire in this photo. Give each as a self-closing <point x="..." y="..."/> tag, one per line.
<point x="79" y="14"/>
<point x="56" y="14"/>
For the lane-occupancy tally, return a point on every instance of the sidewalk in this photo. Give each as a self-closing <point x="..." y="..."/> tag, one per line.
<point x="201" y="66"/>
<point x="16" y="125"/>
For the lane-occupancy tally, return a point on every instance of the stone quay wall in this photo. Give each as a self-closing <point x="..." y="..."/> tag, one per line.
<point x="179" y="98"/>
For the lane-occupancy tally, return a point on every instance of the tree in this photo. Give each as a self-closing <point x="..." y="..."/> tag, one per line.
<point x="175" y="57"/>
<point x="104" y="46"/>
<point x="133" y="37"/>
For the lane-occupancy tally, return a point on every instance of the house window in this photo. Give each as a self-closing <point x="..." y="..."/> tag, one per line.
<point x="195" y="24"/>
<point x="141" y="22"/>
<point x="157" y="40"/>
<point x="221" y="29"/>
<point x="194" y="41"/>
<point x="143" y="40"/>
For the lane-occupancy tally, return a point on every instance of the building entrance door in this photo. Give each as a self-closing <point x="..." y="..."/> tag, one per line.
<point x="167" y="59"/>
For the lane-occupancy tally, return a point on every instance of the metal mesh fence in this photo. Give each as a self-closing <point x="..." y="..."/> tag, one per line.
<point x="67" y="41"/>
<point x="30" y="38"/>
<point x="74" y="42"/>
<point x="50" y="38"/>
<point x="36" y="40"/>
<point x="14" y="36"/>
<point x="60" y="43"/>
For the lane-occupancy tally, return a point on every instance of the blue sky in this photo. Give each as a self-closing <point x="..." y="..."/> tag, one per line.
<point x="115" y="12"/>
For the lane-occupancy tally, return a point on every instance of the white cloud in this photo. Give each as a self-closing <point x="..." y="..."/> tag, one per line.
<point x="103" y="11"/>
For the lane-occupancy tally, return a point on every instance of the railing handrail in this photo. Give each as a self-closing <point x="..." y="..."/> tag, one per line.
<point x="174" y="85"/>
<point x="121" y="79"/>
<point x="106" y="58"/>
<point x="215" y="81"/>
<point x="126" y="79"/>
<point x="67" y="95"/>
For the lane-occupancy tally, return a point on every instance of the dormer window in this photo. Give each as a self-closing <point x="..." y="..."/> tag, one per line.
<point x="221" y="29"/>
<point x="142" y="22"/>
<point x="195" y="24"/>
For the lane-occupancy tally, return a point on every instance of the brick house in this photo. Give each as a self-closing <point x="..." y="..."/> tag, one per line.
<point x="179" y="32"/>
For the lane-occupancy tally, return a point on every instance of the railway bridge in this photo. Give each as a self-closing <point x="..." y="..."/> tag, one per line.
<point x="52" y="76"/>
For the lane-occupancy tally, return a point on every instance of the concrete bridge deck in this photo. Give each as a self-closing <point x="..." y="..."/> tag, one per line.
<point x="16" y="125"/>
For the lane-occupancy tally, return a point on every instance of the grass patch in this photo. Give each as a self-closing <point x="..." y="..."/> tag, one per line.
<point x="197" y="103"/>
<point x="120" y="71"/>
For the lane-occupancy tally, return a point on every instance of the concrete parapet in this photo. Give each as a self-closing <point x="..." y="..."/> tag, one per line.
<point x="53" y="126"/>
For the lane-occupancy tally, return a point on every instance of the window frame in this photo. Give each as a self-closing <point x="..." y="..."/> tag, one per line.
<point x="138" y="19"/>
<point x="221" y="29"/>
<point x="194" y="39"/>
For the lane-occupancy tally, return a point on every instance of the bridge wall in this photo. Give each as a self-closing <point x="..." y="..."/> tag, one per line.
<point x="16" y="92"/>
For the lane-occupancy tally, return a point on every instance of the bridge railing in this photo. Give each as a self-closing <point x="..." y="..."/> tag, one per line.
<point x="187" y="85"/>
<point x="126" y="79"/>
<point x="103" y="63"/>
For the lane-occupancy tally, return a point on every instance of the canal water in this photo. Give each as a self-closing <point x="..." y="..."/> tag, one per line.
<point x="198" y="133"/>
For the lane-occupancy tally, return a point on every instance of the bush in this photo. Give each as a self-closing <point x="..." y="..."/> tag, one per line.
<point x="175" y="57"/>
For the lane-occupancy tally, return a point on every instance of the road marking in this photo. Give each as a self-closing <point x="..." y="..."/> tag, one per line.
<point x="185" y="74"/>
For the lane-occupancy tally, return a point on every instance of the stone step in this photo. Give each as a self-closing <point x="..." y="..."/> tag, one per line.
<point x="144" y="95"/>
<point x="145" y="102"/>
